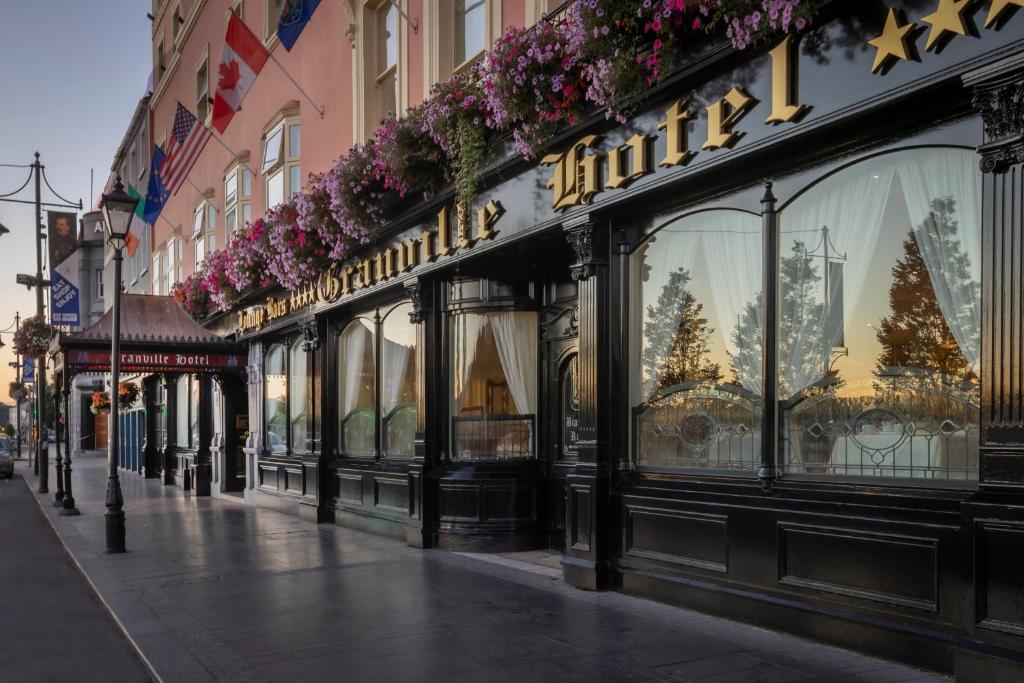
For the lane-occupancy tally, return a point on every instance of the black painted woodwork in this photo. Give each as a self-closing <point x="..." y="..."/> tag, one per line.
<point x="170" y="446"/>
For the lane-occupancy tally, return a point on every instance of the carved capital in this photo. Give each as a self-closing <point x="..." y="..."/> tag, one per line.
<point x="310" y="335"/>
<point x="420" y="306"/>
<point x="999" y="98"/>
<point x="587" y="240"/>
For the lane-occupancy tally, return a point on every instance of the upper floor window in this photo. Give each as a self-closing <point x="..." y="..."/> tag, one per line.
<point x="156" y="274"/>
<point x="878" y="326"/>
<point x="204" y="229"/>
<point x="174" y="267"/>
<point x="99" y="283"/>
<point x="282" y="168"/>
<point x="470" y="29"/>
<point x="176" y="22"/>
<point x="203" y="90"/>
<point x="161" y="61"/>
<point x="237" y="199"/>
<point x="387" y="59"/>
<point x="273" y="17"/>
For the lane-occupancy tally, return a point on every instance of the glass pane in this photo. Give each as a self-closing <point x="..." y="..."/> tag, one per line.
<point x="299" y="398"/>
<point x="275" y="189"/>
<point x="388" y="32"/>
<point x="470" y="29"/>
<point x="200" y="251"/>
<point x="230" y="188"/>
<point x="696" y="381"/>
<point x="294" y="142"/>
<point x="230" y="221"/>
<point x="246" y="183"/>
<point x="356" y="387"/>
<point x="276" y="395"/>
<point x="494" y="366"/>
<point x="386" y="94"/>
<point x="181" y="420"/>
<point x="197" y="220"/>
<point x="272" y="150"/>
<point x="398" y="382"/>
<point x="246" y="213"/>
<point x="294" y="178"/>
<point x="193" y="423"/>
<point x="211" y="216"/>
<point x="879" y="321"/>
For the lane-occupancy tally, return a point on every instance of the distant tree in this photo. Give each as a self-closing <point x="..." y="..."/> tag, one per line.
<point x="677" y="337"/>
<point x="916" y="333"/>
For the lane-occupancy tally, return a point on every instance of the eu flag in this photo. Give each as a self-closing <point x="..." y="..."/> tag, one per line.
<point x="156" y="195"/>
<point x="295" y="15"/>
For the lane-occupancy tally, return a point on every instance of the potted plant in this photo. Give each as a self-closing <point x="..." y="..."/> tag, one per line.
<point x="33" y="337"/>
<point x="127" y="395"/>
<point x="100" y="403"/>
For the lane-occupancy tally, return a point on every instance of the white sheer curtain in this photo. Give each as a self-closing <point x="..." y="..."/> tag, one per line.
<point x="395" y="359"/>
<point x="466" y="329"/>
<point x="298" y="397"/>
<point x="515" y="335"/>
<point x="942" y="188"/>
<point x="353" y="357"/>
<point x="732" y="251"/>
<point x="674" y="247"/>
<point x="851" y="204"/>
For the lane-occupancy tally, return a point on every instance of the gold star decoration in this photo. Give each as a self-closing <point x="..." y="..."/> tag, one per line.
<point x="947" y="18"/>
<point x="892" y="43"/>
<point x="996" y="9"/>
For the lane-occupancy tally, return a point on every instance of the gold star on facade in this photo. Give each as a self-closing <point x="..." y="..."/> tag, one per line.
<point x="892" y="43"/>
<point x="996" y="9"/>
<point x="947" y="18"/>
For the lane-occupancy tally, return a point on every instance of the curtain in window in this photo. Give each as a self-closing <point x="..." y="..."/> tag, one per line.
<point x="356" y="342"/>
<point x="298" y="397"/>
<point x="851" y="205"/>
<point x="181" y="415"/>
<point x="515" y="334"/>
<point x="674" y="250"/>
<point x="466" y="329"/>
<point x="732" y="242"/>
<point x="942" y="188"/>
<point x="396" y="360"/>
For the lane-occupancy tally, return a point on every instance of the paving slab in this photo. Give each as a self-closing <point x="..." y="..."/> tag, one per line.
<point x="213" y="590"/>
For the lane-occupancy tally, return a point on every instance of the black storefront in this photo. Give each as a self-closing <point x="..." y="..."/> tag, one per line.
<point x="757" y="351"/>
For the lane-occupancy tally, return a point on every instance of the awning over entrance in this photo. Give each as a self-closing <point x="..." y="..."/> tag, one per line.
<point x="157" y="335"/>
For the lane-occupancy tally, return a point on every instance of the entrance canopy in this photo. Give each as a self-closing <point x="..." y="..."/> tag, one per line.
<point x="157" y="335"/>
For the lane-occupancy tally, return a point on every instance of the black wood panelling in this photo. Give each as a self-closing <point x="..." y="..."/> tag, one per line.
<point x="691" y="539"/>
<point x="895" y="569"/>
<point x="1000" y="577"/>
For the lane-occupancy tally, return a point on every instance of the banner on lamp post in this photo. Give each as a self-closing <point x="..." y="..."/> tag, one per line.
<point x="62" y="242"/>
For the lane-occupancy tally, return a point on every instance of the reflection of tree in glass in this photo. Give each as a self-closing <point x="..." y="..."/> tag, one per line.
<point x="916" y="334"/>
<point x="804" y="347"/>
<point x="677" y="337"/>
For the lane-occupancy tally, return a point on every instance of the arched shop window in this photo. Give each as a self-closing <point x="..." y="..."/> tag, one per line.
<point x="494" y="384"/>
<point x="377" y="411"/>
<point x="300" y="397"/>
<point x="275" y="400"/>
<point x="880" y="318"/>
<point x="696" y="380"/>
<point x="357" y="388"/>
<point x="878" y="326"/>
<point x="398" y="382"/>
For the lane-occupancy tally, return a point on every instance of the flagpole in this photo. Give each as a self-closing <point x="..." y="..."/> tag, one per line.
<point x="309" y="99"/>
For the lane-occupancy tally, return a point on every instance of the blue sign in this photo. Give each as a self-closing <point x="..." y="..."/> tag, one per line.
<point x="28" y="371"/>
<point x="64" y="298"/>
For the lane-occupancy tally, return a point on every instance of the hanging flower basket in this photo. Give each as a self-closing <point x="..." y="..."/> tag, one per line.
<point x="33" y="337"/>
<point x="100" y="403"/>
<point x="127" y="395"/>
<point x="18" y="391"/>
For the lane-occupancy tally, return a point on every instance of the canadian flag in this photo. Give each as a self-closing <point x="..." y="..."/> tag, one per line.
<point x="243" y="58"/>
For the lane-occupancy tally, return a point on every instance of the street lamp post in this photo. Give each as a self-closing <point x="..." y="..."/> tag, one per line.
<point x="118" y="210"/>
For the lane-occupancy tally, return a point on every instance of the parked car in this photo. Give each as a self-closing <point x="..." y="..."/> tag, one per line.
<point x="6" y="458"/>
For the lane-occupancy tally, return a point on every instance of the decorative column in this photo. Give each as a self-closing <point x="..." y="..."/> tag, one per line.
<point x="999" y="97"/>
<point x="770" y="427"/>
<point x="430" y="409"/>
<point x="204" y="470"/>
<point x="68" y="506"/>
<point x="585" y="561"/>
<point x="314" y="465"/>
<point x="254" y="396"/>
<point x="170" y="444"/>
<point x="150" y="448"/>
<point x="58" y="496"/>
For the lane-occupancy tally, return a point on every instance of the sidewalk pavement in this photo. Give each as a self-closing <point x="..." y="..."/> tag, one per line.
<point x="51" y="622"/>
<point x="214" y="590"/>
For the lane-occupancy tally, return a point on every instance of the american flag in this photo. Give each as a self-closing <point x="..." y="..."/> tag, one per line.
<point x="188" y="137"/>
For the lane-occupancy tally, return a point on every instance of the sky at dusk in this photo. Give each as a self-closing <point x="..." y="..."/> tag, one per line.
<point x="71" y="73"/>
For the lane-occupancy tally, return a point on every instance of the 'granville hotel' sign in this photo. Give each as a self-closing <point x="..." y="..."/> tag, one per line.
<point x="339" y="280"/>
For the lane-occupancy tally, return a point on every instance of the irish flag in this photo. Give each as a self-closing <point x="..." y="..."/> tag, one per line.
<point x="244" y="57"/>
